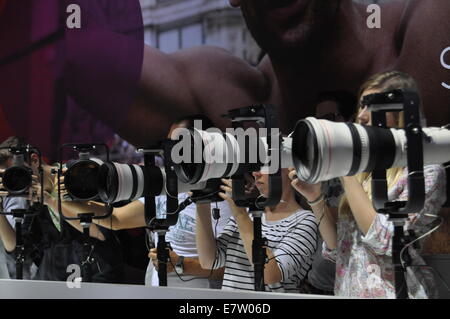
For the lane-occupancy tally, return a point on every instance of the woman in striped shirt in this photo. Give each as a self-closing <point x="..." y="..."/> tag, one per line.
<point x="291" y="234"/>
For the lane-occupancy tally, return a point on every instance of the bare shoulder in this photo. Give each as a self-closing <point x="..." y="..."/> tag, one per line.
<point x="217" y="60"/>
<point x="208" y="65"/>
<point x="427" y="19"/>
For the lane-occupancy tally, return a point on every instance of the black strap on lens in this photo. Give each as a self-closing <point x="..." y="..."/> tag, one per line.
<point x="108" y="181"/>
<point x="357" y="149"/>
<point x="229" y="148"/>
<point x="382" y="148"/>
<point x="135" y="181"/>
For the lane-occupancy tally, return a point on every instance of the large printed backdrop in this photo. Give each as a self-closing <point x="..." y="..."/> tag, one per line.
<point x="50" y="73"/>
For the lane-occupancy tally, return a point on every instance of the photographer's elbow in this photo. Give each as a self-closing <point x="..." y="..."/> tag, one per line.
<point x="115" y="226"/>
<point x="206" y="263"/>
<point x="270" y="279"/>
<point x="10" y="247"/>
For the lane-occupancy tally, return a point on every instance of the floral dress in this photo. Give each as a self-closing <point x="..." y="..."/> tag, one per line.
<point x="364" y="266"/>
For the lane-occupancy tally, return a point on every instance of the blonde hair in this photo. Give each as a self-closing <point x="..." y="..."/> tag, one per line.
<point x="388" y="81"/>
<point x="382" y="82"/>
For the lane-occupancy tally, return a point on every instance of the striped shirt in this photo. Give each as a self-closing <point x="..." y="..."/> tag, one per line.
<point x="292" y="241"/>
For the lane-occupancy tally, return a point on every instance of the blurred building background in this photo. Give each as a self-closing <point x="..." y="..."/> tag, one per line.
<point x="171" y="25"/>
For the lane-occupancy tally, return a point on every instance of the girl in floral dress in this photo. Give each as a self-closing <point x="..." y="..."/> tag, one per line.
<point x="359" y="239"/>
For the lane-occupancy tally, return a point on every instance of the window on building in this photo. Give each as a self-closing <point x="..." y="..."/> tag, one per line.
<point x="168" y="41"/>
<point x="180" y="38"/>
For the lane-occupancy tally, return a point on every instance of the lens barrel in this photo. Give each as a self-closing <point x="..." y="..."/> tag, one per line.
<point x="17" y="179"/>
<point x="204" y="155"/>
<point x="125" y="182"/>
<point x="81" y="179"/>
<point x="322" y="150"/>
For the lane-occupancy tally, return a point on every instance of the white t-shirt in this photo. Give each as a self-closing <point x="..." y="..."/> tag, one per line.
<point x="182" y="240"/>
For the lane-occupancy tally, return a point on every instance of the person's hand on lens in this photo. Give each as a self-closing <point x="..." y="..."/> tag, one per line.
<point x="251" y="190"/>
<point x="34" y="192"/>
<point x="226" y="195"/>
<point x="310" y="191"/>
<point x="64" y="194"/>
<point x="153" y="255"/>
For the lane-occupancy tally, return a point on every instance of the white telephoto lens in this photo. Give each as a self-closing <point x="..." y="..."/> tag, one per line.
<point x="125" y="182"/>
<point x="436" y="146"/>
<point x="220" y="155"/>
<point x="140" y="182"/>
<point x="285" y="161"/>
<point x="214" y="155"/>
<point x="323" y="150"/>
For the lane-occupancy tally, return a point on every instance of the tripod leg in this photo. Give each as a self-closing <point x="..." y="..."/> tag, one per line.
<point x="87" y="248"/>
<point x="19" y="250"/>
<point x="401" y="288"/>
<point x="259" y="254"/>
<point x="163" y="258"/>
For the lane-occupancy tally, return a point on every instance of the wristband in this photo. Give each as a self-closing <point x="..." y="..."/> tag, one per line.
<point x="316" y="201"/>
<point x="179" y="267"/>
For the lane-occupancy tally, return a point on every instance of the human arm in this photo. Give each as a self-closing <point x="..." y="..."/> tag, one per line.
<point x="326" y="216"/>
<point x="7" y="234"/>
<point x="73" y="209"/>
<point x="191" y="265"/>
<point x="206" y="243"/>
<point x="159" y="88"/>
<point x="359" y="202"/>
<point x="197" y="80"/>
<point x="379" y="236"/>
<point x="125" y="217"/>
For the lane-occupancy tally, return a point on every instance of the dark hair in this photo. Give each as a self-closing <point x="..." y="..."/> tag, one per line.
<point x="11" y="141"/>
<point x="206" y="121"/>
<point x="345" y="100"/>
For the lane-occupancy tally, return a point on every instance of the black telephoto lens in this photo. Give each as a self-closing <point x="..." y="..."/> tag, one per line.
<point x="17" y="179"/>
<point x="81" y="180"/>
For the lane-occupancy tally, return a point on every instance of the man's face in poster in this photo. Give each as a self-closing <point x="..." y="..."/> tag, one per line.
<point x="287" y="25"/>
